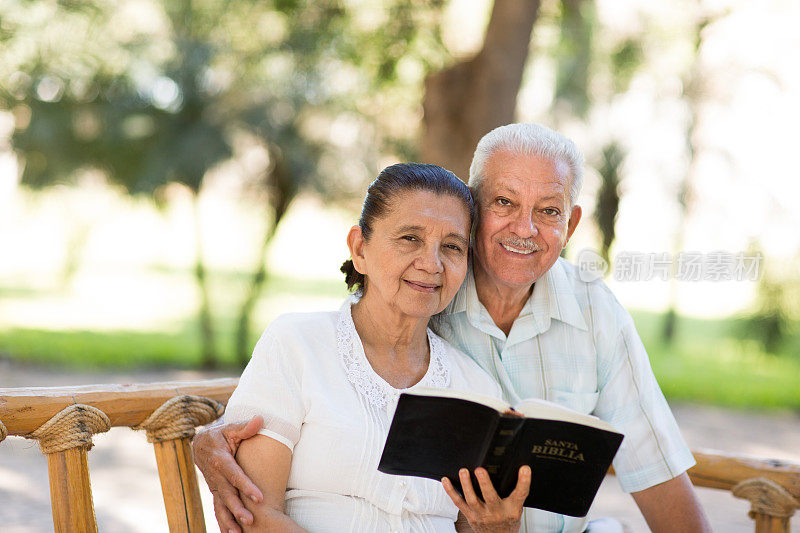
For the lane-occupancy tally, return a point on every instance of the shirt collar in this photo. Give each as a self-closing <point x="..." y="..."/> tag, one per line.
<point x="553" y="296"/>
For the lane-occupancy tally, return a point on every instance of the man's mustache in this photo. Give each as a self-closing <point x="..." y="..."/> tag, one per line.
<point x="528" y="245"/>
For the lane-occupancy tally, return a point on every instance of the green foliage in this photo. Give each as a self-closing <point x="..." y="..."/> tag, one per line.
<point x="626" y="58"/>
<point x="777" y="311"/>
<point x="574" y="55"/>
<point x="164" y="99"/>
<point x="168" y="96"/>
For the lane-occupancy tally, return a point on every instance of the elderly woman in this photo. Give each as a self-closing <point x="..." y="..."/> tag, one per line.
<point x="326" y="384"/>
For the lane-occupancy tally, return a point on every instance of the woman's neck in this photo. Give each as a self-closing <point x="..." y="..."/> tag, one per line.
<point x="396" y="345"/>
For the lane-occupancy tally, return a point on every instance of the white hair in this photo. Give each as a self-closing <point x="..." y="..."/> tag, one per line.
<point x="531" y="139"/>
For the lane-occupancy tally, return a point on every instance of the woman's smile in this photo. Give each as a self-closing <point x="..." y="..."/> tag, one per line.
<point x="423" y="287"/>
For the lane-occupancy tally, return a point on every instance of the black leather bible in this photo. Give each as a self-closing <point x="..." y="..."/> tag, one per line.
<point x="436" y="432"/>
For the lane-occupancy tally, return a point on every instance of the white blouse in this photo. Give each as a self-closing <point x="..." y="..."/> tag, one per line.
<point x="318" y="394"/>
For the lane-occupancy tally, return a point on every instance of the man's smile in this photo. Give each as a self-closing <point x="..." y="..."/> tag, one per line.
<point x="516" y="250"/>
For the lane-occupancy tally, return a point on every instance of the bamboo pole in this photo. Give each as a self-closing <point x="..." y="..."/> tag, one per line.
<point x="22" y="410"/>
<point x="179" y="485"/>
<point x="771" y="524"/>
<point x="65" y="439"/>
<point x="71" y="491"/>
<point x="170" y="428"/>
<point x="720" y="470"/>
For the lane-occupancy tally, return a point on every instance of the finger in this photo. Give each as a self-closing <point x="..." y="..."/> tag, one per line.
<point x="466" y="488"/>
<point x="487" y="489"/>
<point x="236" y="476"/>
<point x="225" y="519"/>
<point x="231" y="500"/>
<point x="236" y="433"/>
<point x="455" y="496"/>
<point x="523" y="487"/>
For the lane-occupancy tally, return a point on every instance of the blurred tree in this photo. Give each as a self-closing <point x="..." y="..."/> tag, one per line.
<point x="466" y="100"/>
<point x="607" y="202"/>
<point x="573" y="55"/>
<point x="164" y="97"/>
<point x="693" y="92"/>
<point x="591" y="73"/>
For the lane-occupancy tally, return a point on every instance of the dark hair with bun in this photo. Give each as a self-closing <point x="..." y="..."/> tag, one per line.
<point x="394" y="180"/>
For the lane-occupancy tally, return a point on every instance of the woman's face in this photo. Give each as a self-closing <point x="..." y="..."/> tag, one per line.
<point x="416" y="257"/>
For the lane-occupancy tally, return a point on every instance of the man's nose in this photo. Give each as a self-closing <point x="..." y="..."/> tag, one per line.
<point x="429" y="260"/>
<point x="524" y="224"/>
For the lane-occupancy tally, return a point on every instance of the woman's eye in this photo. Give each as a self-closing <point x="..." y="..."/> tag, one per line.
<point x="453" y="247"/>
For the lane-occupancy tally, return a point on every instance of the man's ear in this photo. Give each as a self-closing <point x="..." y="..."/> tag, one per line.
<point x="574" y="218"/>
<point x="355" y="242"/>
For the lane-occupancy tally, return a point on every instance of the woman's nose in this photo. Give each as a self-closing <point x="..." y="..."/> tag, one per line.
<point x="429" y="260"/>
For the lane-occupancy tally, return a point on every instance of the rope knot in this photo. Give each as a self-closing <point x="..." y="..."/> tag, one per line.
<point x="73" y="427"/>
<point x="3" y="432"/>
<point x="766" y="497"/>
<point x="178" y="416"/>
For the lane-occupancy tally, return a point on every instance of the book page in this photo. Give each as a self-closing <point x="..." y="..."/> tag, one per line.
<point x="489" y="401"/>
<point x="537" y="408"/>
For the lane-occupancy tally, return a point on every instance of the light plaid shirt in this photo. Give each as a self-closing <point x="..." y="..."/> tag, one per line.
<point x="574" y="344"/>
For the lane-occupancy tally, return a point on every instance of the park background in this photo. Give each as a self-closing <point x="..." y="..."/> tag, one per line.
<point x="176" y="173"/>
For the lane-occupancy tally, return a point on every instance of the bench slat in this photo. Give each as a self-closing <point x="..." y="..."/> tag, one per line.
<point x="24" y="410"/>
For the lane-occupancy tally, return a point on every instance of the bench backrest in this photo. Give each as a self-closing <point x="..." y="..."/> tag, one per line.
<point x="64" y="419"/>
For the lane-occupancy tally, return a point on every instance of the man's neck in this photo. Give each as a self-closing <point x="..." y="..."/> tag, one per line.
<point x="504" y="303"/>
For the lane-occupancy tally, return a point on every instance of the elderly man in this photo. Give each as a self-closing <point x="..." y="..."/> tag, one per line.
<point x="529" y="320"/>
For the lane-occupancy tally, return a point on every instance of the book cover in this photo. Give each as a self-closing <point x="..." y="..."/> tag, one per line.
<point x="435" y="433"/>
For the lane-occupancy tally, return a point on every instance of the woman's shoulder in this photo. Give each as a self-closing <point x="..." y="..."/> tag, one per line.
<point x="301" y="327"/>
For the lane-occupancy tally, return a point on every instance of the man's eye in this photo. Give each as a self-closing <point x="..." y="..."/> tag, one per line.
<point x="550" y="211"/>
<point x="503" y="201"/>
<point x="410" y="238"/>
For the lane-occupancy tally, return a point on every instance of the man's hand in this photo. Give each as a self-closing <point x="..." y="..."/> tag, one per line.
<point x="214" y="450"/>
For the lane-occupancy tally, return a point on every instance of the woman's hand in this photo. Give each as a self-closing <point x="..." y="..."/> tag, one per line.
<point x="493" y="514"/>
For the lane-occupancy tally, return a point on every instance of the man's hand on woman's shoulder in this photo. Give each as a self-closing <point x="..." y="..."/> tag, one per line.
<point x="214" y="449"/>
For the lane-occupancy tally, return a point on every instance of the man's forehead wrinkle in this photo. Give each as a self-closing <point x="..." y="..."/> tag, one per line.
<point x="518" y="185"/>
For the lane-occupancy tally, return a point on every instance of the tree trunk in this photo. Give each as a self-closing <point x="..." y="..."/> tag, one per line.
<point x="468" y="99"/>
<point x="692" y="94"/>
<point x="283" y="192"/>
<point x="205" y="320"/>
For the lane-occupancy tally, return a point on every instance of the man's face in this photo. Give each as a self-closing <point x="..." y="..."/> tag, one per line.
<point x="525" y="219"/>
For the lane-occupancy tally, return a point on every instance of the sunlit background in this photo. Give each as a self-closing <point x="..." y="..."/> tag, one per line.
<point x="175" y="174"/>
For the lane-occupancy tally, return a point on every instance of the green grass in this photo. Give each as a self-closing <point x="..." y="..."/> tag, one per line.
<point x="177" y="345"/>
<point x="710" y="361"/>
<point x="713" y="362"/>
<point x="109" y="349"/>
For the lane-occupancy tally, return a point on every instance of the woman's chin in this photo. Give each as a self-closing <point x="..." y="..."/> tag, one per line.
<point x="420" y="309"/>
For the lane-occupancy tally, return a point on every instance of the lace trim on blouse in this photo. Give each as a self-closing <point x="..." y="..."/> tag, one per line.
<point x="364" y="378"/>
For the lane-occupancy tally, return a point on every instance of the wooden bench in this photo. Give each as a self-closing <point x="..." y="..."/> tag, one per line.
<point x="64" y="419"/>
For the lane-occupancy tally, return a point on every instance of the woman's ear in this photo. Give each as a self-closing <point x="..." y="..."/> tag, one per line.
<point x="355" y="242"/>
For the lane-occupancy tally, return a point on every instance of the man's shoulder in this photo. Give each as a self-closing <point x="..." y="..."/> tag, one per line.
<point x="581" y="282"/>
<point x="591" y="292"/>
